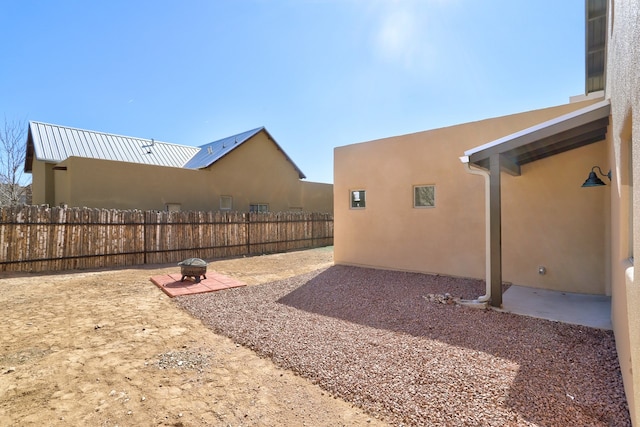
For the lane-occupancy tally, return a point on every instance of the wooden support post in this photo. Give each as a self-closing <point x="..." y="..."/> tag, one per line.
<point x="495" y="230"/>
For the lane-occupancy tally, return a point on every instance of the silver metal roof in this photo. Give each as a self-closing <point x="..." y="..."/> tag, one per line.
<point x="596" y="42"/>
<point x="54" y="143"/>
<point x="214" y="151"/>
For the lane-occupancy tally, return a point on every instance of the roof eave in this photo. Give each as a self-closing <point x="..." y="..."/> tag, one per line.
<point x="30" y="152"/>
<point x="301" y="175"/>
<point x="572" y="130"/>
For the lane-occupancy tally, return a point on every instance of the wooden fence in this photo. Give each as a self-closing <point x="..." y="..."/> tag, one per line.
<point x="39" y="238"/>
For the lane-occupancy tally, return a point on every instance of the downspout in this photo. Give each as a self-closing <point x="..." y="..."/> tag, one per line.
<point x="476" y="171"/>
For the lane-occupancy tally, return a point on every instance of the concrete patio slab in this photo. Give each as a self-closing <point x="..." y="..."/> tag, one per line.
<point x="579" y="309"/>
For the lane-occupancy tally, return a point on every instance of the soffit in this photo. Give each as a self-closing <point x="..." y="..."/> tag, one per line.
<point x="567" y="132"/>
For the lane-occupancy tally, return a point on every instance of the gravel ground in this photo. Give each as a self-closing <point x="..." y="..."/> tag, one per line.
<point x="379" y="340"/>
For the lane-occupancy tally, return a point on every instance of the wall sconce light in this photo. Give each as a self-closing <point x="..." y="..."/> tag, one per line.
<point x="593" y="180"/>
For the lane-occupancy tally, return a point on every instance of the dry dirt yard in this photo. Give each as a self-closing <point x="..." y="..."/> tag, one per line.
<point x="108" y="348"/>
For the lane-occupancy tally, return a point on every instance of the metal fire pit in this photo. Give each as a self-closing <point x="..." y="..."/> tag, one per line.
<point x="193" y="267"/>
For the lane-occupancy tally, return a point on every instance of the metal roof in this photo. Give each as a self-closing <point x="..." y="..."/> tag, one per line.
<point x="596" y="41"/>
<point x="209" y="153"/>
<point x="214" y="151"/>
<point x="54" y="143"/>
<point x="573" y="130"/>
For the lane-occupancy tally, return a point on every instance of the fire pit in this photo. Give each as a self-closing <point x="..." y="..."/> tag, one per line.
<point x="193" y="267"/>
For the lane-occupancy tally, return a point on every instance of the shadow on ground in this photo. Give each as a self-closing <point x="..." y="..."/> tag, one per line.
<point x="344" y="325"/>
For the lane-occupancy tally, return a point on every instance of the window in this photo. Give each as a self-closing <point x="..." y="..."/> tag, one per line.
<point x="358" y="199"/>
<point x="173" y="207"/>
<point x="258" y="207"/>
<point x="424" y="196"/>
<point x="226" y="203"/>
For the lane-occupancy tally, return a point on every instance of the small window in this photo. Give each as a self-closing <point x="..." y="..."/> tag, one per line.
<point x="226" y="203"/>
<point x="424" y="196"/>
<point x="358" y="200"/>
<point x="259" y="207"/>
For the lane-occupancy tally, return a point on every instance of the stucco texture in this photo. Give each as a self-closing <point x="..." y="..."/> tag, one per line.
<point x="623" y="88"/>
<point x="256" y="172"/>
<point x="548" y="220"/>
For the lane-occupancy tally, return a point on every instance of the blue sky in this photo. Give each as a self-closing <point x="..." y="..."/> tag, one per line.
<point x="316" y="73"/>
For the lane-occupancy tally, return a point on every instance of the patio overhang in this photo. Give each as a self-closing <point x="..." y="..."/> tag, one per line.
<point x="567" y="132"/>
<point x="573" y="130"/>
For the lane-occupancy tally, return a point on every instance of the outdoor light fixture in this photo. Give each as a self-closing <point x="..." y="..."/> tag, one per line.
<point x="593" y="180"/>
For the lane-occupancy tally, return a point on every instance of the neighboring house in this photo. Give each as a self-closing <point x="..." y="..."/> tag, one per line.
<point x="244" y="172"/>
<point x="502" y="198"/>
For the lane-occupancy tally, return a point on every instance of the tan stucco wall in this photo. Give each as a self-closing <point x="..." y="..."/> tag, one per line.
<point x="255" y="172"/>
<point x="623" y="88"/>
<point x="62" y="187"/>
<point x="317" y="196"/>
<point x="539" y="208"/>
<point x="120" y="185"/>
<point x="42" y="185"/>
<point x="38" y="183"/>
<point x="548" y="220"/>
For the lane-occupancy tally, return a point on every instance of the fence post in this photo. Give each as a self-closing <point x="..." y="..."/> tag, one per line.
<point x="144" y="237"/>
<point x="34" y="239"/>
<point x="248" y="222"/>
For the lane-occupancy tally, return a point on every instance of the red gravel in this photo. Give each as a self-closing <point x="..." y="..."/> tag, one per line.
<point x="373" y="338"/>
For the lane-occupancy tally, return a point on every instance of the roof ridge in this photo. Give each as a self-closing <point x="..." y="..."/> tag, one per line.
<point x="252" y="131"/>
<point x="111" y="134"/>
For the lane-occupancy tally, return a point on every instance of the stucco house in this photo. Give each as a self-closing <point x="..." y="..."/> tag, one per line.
<point x="244" y="172"/>
<point x="543" y="198"/>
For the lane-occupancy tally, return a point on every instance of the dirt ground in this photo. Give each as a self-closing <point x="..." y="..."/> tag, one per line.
<point x="108" y="348"/>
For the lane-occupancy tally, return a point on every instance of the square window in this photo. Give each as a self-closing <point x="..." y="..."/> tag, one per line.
<point x="358" y="199"/>
<point x="259" y="207"/>
<point x="226" y="203"/>
<point x="424" y="196"/>
<point x="173" y="207"/>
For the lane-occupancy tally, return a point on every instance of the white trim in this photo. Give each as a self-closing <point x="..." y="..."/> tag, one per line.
<point x="538" y="127"/>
